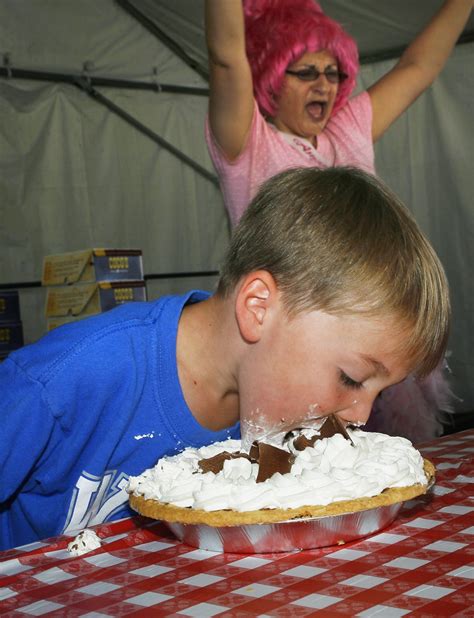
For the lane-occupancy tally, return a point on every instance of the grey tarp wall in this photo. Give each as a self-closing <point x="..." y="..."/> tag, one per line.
<point x="73" y="175"/>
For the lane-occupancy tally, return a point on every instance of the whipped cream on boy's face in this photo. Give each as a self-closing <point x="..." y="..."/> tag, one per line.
<point x="333" y="363"/>
<point x="258" y="427"/>
<point x="334" y="469"/>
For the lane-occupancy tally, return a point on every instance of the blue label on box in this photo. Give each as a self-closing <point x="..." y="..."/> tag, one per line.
<point x="123" y="292"/>
<point x="118" y="267"/>
<point x="9" y="306"/>
<point x="11" y="336"/>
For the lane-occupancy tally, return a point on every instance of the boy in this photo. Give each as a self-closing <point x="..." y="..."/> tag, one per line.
<point x="329" y="294"/>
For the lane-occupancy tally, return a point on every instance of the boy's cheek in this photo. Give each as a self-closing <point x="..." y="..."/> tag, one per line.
<point x="296" y="406"/>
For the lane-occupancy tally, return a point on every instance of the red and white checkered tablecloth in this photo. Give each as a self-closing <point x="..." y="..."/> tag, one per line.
<point x="422" y="565"/>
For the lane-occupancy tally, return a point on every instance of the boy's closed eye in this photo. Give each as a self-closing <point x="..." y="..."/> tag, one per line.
<point x="348" y="381"/>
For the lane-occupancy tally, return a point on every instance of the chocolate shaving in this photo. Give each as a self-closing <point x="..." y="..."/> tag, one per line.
<point x="254" y="452"/>
<point x="331" y="426"/>
<point x="271" y="460"/>
<point x="216" y="463"/>
<point x="301" y="442"/>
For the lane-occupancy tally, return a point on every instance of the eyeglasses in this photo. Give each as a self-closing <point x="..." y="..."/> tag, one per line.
<point x="311" y="73"/>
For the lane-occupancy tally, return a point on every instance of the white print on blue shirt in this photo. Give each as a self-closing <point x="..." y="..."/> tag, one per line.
<point x="95" y="499"/>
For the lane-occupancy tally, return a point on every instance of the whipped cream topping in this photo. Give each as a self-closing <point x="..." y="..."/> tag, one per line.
<point x="332" y="470"/>
<point x="85" y="541"/>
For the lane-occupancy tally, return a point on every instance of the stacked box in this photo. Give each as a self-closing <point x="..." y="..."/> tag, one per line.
<point x="11" y="327"/>
<point x="84" y="283"/>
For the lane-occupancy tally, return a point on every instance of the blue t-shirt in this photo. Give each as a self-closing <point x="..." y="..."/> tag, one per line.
<point x="85" y="407"/>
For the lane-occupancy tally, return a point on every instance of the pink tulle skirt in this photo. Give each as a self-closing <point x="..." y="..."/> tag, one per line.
<point x="414" y="408"/>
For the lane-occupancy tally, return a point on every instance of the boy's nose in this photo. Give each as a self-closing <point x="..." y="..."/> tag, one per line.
<point x="358" y="411"/>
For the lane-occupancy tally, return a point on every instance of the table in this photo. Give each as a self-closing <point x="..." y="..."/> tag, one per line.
<point x="421" y="565"/>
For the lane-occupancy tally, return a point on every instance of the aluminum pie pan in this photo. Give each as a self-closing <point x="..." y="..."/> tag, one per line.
<point x="309" y="532"/>
<point x="289" y="536"/>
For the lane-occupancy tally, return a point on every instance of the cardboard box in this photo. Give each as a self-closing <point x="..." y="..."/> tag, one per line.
<point x="93" y="265"/>
<point x="11" y="337"/>
<point x="70" y="302"/>
<point x="9" y="306"/>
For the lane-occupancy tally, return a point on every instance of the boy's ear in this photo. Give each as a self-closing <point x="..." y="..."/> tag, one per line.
<point x="257" y="295"/>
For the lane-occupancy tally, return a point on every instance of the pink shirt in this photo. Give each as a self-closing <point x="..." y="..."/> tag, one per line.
<point x="346" y="140"/>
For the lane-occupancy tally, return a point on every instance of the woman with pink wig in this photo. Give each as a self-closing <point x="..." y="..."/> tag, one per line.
<point x="281" y="76"/>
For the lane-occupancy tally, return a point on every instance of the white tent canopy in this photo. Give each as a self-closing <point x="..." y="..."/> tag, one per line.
<point x="381" y="27"/>
<point x="75" y="175"/>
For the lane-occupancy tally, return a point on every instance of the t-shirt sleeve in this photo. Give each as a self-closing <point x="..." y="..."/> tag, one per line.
<point x="25" y="428"/>
<point x="240" y="177"/>
<point x="350" y="132"/>
<point x="360" y="109"/>
<point x="218" y="156"/>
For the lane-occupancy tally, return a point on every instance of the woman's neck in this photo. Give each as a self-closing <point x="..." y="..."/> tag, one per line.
<point x="313" y="139"/>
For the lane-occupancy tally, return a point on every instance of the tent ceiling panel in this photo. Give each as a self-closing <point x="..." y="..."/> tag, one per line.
<point x="62" y="36"/>
<point x="380" y="27"/>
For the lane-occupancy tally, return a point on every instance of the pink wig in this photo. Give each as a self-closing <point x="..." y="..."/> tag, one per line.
<point x="279" y="32"/>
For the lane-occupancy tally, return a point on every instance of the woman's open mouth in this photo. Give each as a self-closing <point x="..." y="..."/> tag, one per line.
<point x="316" y="110"/>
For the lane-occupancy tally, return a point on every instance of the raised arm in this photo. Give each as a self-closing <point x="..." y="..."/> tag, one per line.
<point x="418" y="66"/>
<point x="231" y="91"/>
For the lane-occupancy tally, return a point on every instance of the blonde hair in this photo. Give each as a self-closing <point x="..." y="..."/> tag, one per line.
<point x="339" y="240"/>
